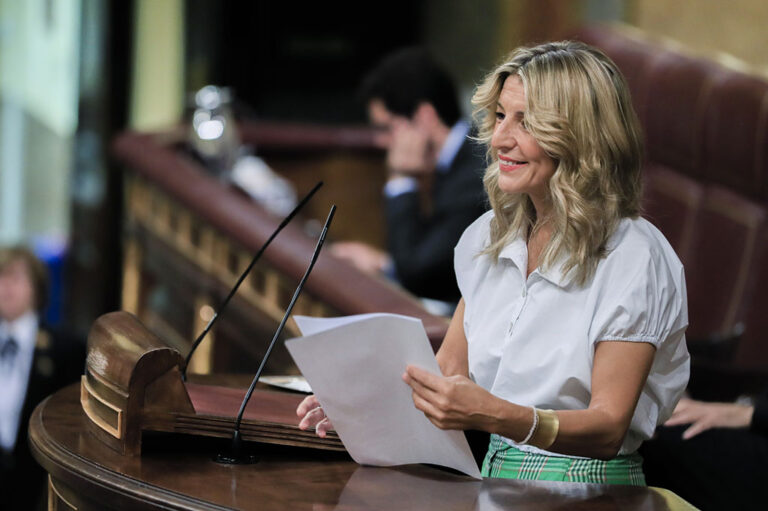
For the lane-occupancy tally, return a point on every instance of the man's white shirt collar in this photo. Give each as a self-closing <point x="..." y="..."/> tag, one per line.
<point x="14" y="377"/>
<point x="23" y="330"/>
<point x="451" y="146"/>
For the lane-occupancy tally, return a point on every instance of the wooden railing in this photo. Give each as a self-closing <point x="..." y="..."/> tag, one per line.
<point x="189" y="236"/>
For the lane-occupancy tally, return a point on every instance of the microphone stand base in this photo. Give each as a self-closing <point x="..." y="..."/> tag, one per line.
<point x="235" y="455"/>
<point x="236" y="459"/>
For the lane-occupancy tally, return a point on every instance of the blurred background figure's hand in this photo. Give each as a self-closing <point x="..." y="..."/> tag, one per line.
<point x="364" y="257"/>
<point x="703" y="416"/>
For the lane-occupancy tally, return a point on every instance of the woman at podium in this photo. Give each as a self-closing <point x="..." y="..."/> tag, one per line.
<point x="568" y="345"/>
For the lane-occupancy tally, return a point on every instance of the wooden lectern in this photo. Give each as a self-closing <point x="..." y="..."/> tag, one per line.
<point x="132" y="383"/>
<point x="93" y="449"/>
<point x="177" y="473"/>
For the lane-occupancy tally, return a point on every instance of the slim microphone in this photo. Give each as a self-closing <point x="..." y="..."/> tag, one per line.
<point x="235" y="455"/>
<point x="223" y="305"/>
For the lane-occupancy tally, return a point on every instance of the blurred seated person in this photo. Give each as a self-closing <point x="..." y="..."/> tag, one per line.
<point x="34" y="362"/>
<point x="413" y="102"/>
<point x="712" y="454"/>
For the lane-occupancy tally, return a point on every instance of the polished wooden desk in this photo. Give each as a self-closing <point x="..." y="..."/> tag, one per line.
<point x="176" y="472"/>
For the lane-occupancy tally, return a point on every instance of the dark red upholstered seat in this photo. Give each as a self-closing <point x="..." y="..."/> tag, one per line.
<point x="752" y="349"/>
<point x="734" y="133"/>
<point x="671" y="202"/>
<point x="679" y="89"/>
<point x="726" y="252"/>
<point x="762" y="152"/>
<point x="706" y="184"/>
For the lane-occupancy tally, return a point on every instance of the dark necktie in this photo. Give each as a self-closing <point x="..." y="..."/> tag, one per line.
<point x="8" y="351"/>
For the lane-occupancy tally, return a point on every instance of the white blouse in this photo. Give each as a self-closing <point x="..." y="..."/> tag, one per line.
<point x="532" y="341"/>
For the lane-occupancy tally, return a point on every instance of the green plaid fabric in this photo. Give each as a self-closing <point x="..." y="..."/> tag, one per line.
<point x="504" y="460"/>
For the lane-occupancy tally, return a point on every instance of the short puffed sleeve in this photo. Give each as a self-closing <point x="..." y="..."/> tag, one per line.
<point x="640" y="292"/>
<point x="474" y="239"/>
<point x="642" y="297"/>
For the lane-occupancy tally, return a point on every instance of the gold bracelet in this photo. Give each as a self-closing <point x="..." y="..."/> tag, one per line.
<point x="546" y="433"/>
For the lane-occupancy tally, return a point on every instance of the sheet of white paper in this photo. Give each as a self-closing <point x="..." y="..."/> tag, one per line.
<point x="309" y="325"/>
<point x="355" y="368"/>
<point x="298" y="383"/>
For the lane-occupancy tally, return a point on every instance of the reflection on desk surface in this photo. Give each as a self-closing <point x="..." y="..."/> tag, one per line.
<point x="413" y="487"/>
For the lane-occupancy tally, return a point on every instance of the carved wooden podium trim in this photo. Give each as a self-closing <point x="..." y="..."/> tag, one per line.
<point x="132" y="383"/>
<point x="94" y="407"/>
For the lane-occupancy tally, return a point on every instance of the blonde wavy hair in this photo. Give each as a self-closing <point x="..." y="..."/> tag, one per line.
<point x="578" y="109"/>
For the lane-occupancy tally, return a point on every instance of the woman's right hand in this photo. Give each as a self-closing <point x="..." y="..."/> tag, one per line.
<point x="312" y="415"/>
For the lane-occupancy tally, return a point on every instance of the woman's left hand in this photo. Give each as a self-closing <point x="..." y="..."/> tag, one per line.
<point x="453" y="402"/>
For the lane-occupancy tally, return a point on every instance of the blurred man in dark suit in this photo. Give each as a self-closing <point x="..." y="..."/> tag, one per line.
<point x="434" y="188"/>
<point x="34" y="362"/>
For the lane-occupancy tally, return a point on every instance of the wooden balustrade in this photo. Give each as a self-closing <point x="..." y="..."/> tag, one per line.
<point x="188" y="237"/>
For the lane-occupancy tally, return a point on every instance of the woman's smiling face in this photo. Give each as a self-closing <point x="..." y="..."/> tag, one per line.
<point x="524" y="167"/>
